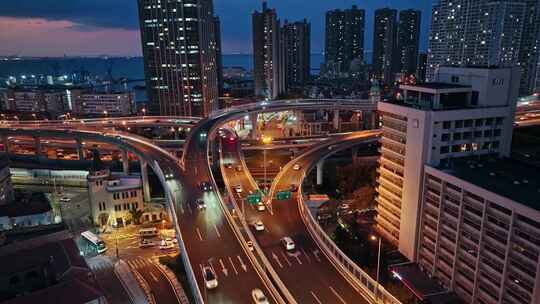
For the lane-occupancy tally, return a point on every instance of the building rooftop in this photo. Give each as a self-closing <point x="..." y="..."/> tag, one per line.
<point x="438" y="86"/>
<point x="26" y="204"/>
<point x="506" y="177"/>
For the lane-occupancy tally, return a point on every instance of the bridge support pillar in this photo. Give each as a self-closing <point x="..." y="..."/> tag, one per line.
<point x="125" y="161"/>
<point x="335" y="122"/>
<point x="320" y="165"/>
<point x="145" y="182"/>
<point x="80" y="149"/>
<point x="5" y="141"/>
<point x="37" y="142"/>
<point x="254" y="126"/>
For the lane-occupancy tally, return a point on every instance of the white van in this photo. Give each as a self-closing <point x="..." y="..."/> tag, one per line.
<point x="148" y="232"/>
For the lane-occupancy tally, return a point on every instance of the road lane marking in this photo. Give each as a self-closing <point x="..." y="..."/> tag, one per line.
<point x="276" y="258"/>
<point x="307" y="256"/>
<point x="286" y="260"/>
<point x="212" y="266"/>
<point x="242" y="263"/>
<point x="199" y="234"/>
<point x="315" y="297"/>
<point x="223" y="269"/>
<point x="154" y="276"/>
<point x="233" y="267"/>
<point x="217" y="231"/>
<point x="337" y="295"/>
<point x="316" y="255"/>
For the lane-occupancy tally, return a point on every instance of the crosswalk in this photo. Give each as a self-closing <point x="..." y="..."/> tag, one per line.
<point x="139" y="263"/>
<point x="100" y="265"/>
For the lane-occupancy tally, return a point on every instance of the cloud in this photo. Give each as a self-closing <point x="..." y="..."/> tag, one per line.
<point x="116" y="14"/>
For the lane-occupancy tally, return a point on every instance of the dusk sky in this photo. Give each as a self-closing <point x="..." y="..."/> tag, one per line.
<point x="110" y="27"/>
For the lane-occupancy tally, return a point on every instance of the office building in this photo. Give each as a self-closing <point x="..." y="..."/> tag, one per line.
<point x="86" y="104"/>
<point x="480" y="229"/>
<point x="297" y="44"/>
<point x="268" y="54"/>
<point x="219" y="55"/>
<point x="421" y="67"/>
<point x="504" y="33"/>
<point x="408" y="41"/>
<point x="468" y="111"/>
<point x="385" y="58"/>
<point x="34" y="100"/>
<point x="344" y="40"/>
<point x="179" y="43"/>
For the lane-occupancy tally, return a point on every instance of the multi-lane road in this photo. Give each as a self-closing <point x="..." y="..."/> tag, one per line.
<point x="307" y="272"/>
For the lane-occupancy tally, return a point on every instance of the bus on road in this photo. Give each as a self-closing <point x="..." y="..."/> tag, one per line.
<point x="95" y="241"/>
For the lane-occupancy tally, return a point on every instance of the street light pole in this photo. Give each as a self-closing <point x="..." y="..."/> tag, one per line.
<point x="264" y="161"/>
<point x="373" y="238"/>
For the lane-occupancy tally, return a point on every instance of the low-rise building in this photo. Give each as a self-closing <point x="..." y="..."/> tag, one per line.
<point x="25" y="211"/>
<point x="102" y="104"/>
<point x="480" y="229"/>
<point x="6" y="188"/>
<point x="46" y="269"/>
<point x="34" y="100"/>
<point x="114" y="200"/>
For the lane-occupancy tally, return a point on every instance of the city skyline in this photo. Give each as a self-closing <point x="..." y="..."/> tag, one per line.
<point x="99" y="31"/>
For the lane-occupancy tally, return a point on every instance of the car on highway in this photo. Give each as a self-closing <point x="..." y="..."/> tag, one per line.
<point x="288" y="243"/>
<point x="205" y="186"/>
<point x="238" y="188"/>
<point x="164" y="245"/>
<point x="238" y="168"/>
<point x="210" y="279"/>
<point x="201" y="205"/>
<point x="144" y="243"/>
<point x="228" y="165"/>
<point x="250" y="245"/>
<point x="65" y="199"/>
<point x="259" y="297"/>
<point x="259" y="226"/>
<point x="261" y="206"/>
<point x="293" y="188"/>
<point x="296" y="167"/>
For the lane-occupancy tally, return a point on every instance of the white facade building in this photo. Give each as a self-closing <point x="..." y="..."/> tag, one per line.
<point x="112" y="198"/>
<point x="99" y="104"/>
<point x="480" y="229"/>
<point x="469" y="113"/>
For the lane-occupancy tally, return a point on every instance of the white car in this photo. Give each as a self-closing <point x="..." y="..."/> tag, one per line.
<point x="261" y="207"/>
<point x="210" y="279"/>
<point x="201" y="205"/>
<point x="65" y="199"/>
<point x="259" y="226"/>
<point x="238" y="188"/>
<point x="259" y="297"/>
<point x="296" y="167"/>
<point x="144" y="243"/>
<point x="288" y="243"/>
<point x="250" y="245"/>
<point x="164" y="245"/>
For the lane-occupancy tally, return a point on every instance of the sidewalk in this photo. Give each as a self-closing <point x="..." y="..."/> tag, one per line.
<point x="130" y="283"/>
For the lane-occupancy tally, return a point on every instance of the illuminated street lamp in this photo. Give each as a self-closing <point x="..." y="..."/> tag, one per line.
<point x="266" y="140"/>
<point x="374" y="238"/>
<point x="105" y="113"/>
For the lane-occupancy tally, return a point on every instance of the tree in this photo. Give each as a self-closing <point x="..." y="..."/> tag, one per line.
<point x="136" y="215"/>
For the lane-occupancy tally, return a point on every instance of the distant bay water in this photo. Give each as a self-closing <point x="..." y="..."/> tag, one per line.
<point x="120" y="67"/>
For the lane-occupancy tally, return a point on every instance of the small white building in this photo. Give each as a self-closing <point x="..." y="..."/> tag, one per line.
<point x="113" y="197"/>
